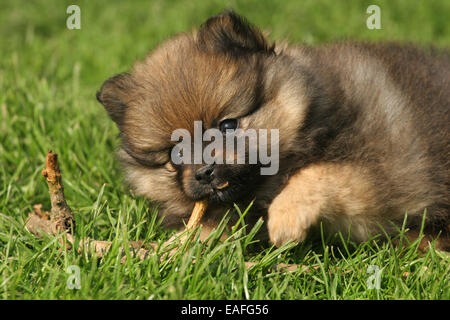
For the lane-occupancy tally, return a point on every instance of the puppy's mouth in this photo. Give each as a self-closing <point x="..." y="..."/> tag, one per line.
<point x="222" y="192"/>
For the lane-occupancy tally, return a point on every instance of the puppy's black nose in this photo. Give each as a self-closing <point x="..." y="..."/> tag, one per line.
<point x="204" y="175"/>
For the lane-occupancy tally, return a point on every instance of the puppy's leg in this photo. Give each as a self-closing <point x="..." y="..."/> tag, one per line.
<point x="339" y="193"/>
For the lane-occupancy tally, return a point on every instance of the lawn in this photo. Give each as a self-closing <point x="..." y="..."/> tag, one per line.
<point x="48" y="79"/>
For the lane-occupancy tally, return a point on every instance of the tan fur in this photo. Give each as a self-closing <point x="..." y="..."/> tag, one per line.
<point x="284" y="112"/>
<point x="323" y="192"/>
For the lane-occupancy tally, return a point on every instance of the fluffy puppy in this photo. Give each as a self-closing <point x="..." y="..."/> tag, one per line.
<point x="363" y="130"/>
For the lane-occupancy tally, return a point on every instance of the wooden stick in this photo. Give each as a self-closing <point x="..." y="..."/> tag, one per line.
<point x="60" y="214"/>
<point x="61" y="219"/>
<point x="197" y="214"/>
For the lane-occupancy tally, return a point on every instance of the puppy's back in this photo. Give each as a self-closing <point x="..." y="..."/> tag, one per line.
<point x="391" y="113"/>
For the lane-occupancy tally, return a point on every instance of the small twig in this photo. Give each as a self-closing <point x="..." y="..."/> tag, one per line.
<point x="60" y="214"/>
<point x="61" y="219"/>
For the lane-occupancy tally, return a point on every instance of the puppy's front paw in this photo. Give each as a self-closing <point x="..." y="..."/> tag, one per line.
<point x="290" y="217"/>
<point x="283" y="227"/>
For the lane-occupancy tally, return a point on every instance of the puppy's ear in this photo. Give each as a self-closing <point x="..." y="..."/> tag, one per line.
<point x="230" y="33"/>
<point x="112" y="96"/>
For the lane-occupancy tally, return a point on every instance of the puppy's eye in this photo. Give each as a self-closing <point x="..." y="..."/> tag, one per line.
<point x="228" y="124"/>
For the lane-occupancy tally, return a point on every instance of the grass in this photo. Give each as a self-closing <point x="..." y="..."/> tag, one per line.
<point x="48" y="79"/>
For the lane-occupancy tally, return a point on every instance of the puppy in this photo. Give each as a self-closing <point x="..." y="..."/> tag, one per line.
<point x="363" y="131"/>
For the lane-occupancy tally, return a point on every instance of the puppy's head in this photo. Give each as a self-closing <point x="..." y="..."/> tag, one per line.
<point x="224" y="76"/>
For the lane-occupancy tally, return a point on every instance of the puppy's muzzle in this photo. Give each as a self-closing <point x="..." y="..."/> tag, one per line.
<point x="205" y="174"/>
